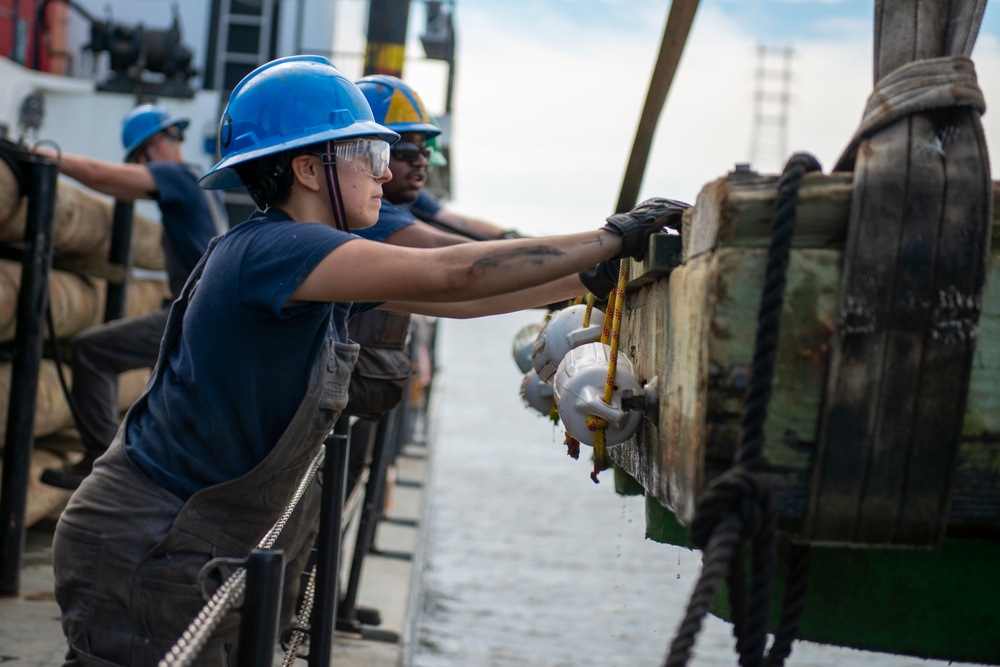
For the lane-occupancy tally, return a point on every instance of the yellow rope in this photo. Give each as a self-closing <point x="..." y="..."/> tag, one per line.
<point x="590" y="308"/>
<point x="612" y="328"/>
<point x="612" y="302"/>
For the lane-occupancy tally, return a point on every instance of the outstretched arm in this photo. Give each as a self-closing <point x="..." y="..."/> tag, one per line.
<point x="119" y="180"/>
<point x="367" y="271"/>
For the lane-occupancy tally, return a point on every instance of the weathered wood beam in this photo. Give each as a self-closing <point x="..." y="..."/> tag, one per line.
<point x="693" y="330"/>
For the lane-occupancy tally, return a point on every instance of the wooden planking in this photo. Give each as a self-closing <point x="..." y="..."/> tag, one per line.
<point x="718" y="293"/>
<point x="738" y="211"/>
<point x="641" y="319"/>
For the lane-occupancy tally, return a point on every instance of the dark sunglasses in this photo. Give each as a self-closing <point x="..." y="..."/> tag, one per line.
<point x="410" y="152"/>
<point x="142" y="152"/>
<point x="175" y="133"/>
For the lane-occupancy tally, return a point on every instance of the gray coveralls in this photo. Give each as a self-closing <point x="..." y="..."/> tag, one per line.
<point x="127" y="552"/>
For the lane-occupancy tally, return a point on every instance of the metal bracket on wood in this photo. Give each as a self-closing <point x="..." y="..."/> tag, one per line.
<point x="646" y="399"/>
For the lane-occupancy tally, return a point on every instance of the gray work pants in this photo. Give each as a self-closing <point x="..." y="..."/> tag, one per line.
<point x="100" y="353"/>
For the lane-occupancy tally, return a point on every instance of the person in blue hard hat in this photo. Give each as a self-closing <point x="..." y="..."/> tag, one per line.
<point x="154" y="168"/>
<point x="412" y="216"/>
<point x="255" y="361"/>
<point x="407" y="205"/>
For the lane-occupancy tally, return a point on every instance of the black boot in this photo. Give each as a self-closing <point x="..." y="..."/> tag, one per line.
<point x="70" y="477"/>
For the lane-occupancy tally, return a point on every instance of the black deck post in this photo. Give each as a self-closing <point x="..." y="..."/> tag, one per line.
<point x="374" y="498"/>
<point x="32" y="299"/>
<point x="328" y="545"/>
<point x="261" y="604"/>
<point x="120" y="254"/>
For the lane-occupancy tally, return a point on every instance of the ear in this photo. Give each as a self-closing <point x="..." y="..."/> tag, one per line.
<point x="308" y="172"/>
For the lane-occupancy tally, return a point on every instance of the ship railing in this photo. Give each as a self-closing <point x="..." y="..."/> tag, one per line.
<point x="259" y="577"/>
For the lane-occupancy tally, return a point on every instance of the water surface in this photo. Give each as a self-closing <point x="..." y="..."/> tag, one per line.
<point x="531" y="564"/>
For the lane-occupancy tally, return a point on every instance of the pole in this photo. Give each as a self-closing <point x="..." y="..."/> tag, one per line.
<point x="328" y="546"/>
<point x="386" y="49"/>
<point x="675" y="35"/>
<point x="121" y="254"/>
<point x="261" y="603"/>
<point x="32" y="300"/>
<point x="374" y="499"/>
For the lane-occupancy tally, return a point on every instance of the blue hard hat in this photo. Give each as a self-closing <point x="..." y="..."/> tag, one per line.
<point x="143" y="122"/>
<point x="285" y="104"/>
<point x="396" y="105"/>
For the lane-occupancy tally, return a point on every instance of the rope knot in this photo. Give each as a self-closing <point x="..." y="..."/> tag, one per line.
<point x="596" y="423"/>
<point x="736" y="492"/>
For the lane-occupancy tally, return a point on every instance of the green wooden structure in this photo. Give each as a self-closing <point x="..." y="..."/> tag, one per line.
<point x="689" y="327"/>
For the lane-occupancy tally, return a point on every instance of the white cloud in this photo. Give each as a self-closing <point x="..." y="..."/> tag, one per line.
<point x="545" y="112"/>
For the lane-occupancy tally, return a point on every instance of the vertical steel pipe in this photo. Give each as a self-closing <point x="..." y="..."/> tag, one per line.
<point x="374" y="498"/>
<point x="261" y="606"/>
<point x="121" y="254"/>
<point x="386" y="48"/>
<point x="328" y="546"/>
<point x="32" y="300"/>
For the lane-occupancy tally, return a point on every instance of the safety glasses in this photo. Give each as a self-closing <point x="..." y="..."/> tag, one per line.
<point x="369" y="156"/>
<point x="410" y="152"/>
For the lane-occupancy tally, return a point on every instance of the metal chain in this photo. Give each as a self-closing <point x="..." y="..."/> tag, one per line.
<point x="305" y="612"/>
<point x="272" y="535"/>
<point x="186" y="649"/>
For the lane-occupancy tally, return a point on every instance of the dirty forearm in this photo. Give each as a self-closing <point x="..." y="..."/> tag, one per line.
<point x="489" y="268"/>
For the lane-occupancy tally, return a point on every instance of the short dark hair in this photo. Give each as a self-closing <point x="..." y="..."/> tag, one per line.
<point x="268" y="180"/>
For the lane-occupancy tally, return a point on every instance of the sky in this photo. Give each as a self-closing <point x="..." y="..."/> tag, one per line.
<point x="548" y="95"/>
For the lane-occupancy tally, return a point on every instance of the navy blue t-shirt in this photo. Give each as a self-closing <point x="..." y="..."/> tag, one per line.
<point x="233" y="382"/>
<point x="186" y="215"/>
<point x="393" y="217"/>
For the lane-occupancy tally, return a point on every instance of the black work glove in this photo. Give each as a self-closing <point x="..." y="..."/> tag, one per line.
<point x="647" y="218"/>
<point x="601" y="279"/>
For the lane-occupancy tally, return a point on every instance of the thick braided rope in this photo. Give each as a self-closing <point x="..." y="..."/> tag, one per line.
<point x="186" y="649"/>
<point x="736" y="498"/>
<point x="791" y="610"/>
<point x="753" y="626"/>
<point x="769" y="317"/>
<point x="716" y="558"/>
<point x="731" y="511"/>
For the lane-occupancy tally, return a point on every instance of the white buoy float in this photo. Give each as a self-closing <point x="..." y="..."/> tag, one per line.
<point x="578" y="385"/>
<point x="563" y="332"/>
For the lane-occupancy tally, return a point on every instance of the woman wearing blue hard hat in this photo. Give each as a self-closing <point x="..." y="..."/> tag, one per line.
<point x="255" y="360"/>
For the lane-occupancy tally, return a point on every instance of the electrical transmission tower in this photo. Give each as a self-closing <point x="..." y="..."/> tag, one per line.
<point x="773" y="77"/>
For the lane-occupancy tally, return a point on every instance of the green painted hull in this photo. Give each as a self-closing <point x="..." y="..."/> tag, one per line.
<point x="930" y="603"/>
